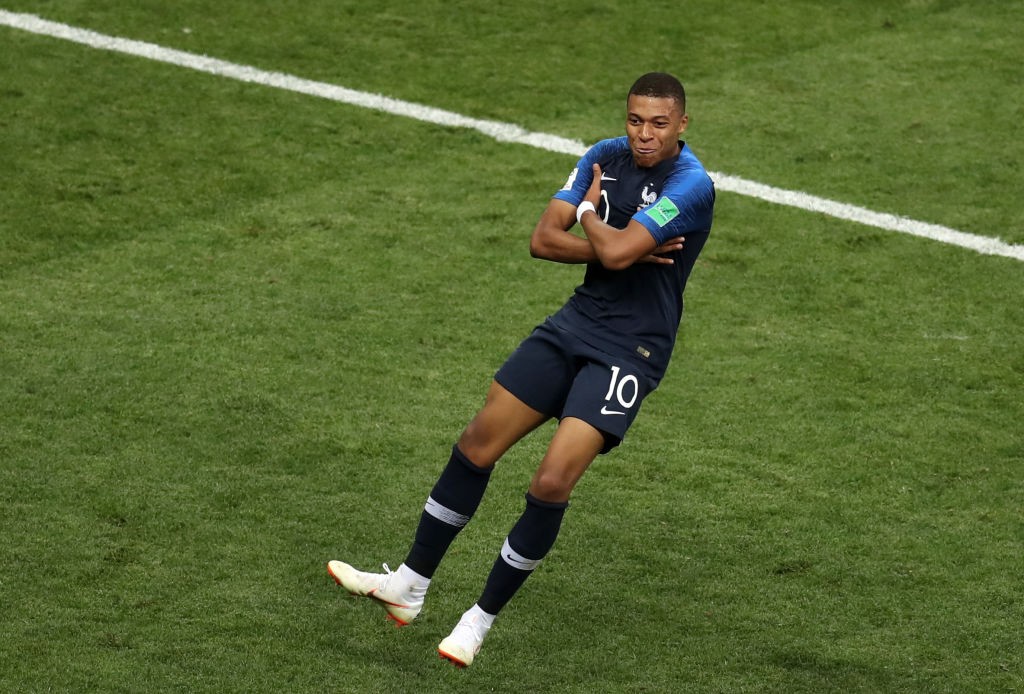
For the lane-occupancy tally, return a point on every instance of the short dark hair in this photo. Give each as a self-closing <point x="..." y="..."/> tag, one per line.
<point x="660" y="85"/>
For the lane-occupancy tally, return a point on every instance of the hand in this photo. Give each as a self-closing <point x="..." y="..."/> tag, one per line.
<point x="674" y="244"/>
<point x="594" y="191"/>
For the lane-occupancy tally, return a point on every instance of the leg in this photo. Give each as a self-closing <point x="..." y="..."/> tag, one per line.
<point x="536" y="379"/>
<point x="455" y="497"/>
<point x="573" y="448"/>
<point x="571" y="451"/>
<point x="503" y="420"/>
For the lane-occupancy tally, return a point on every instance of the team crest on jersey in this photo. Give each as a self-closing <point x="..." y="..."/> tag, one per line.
<point x="647" y="197"/>
<point x="664" y="212"/>
<point x="572" y="179"/>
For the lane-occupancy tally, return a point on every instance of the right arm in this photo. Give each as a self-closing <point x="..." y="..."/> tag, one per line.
<point x="551" y="239"/>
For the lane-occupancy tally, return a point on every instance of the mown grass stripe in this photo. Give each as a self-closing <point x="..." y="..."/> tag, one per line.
<point x="503" y="132"/>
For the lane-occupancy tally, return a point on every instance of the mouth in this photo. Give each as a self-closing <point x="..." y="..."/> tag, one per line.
<point x="644" y="153"/>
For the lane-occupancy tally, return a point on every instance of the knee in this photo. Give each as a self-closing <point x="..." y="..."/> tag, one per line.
<point x="551" y="486"/>
<point x="476" y="443"/>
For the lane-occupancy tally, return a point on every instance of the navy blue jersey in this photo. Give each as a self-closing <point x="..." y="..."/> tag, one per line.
<point x="636" y="311"/>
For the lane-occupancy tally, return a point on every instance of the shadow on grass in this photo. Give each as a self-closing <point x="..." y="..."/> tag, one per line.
<point x="814" y="672"/>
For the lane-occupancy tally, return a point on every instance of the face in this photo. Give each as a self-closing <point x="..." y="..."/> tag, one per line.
<point x="653" y="125"/>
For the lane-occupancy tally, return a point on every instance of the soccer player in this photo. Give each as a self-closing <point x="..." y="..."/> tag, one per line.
<point x="644" y="203"/>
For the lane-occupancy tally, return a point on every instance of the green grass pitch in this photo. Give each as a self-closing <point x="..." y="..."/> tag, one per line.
<point x="240" y="329"/>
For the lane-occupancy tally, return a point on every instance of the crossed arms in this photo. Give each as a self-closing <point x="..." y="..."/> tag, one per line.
<point x="615" y="249"/>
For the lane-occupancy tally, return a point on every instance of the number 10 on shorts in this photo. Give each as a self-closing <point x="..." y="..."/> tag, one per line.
<point x="621" y="388"/>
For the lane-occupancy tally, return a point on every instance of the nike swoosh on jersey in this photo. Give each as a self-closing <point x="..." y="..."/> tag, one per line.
<point x="605" y="410"/>
<point x="606" y="177"/>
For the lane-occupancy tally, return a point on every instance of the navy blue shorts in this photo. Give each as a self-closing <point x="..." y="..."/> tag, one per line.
<point x="556" y="373"/>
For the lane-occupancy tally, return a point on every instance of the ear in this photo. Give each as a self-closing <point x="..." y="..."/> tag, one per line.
<point x="683" y="122"/>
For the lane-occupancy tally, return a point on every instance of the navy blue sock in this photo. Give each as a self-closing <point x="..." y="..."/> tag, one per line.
<point x="452" y="502"/>
<point x="531" y="538"/>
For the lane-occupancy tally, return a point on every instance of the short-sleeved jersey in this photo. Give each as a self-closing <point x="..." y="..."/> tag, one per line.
<point x="636" y="312"/>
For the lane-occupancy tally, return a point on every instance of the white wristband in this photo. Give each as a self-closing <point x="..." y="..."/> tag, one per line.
<point x="584" y="206"/>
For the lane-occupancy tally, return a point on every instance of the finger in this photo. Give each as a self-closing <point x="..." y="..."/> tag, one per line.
<point x="593" y="193"/>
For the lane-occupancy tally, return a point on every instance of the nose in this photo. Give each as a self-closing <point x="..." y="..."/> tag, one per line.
<point x="645" y="132"/>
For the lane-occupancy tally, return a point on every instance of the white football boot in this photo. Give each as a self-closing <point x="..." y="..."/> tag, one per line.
<point x="462" y="645"/>
<point x="400" y="595"/>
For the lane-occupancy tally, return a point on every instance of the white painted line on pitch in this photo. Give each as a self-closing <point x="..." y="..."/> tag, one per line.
<point x="503" y="132"/>
<point x="882" y="220"/>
